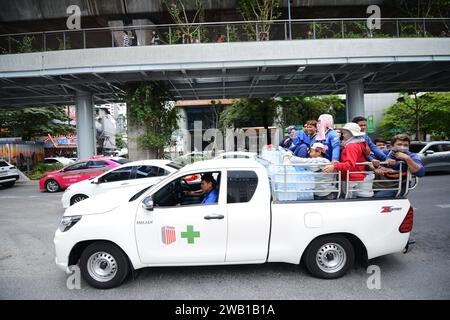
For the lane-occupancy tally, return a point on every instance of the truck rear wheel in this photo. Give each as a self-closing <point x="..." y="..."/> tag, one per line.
<point x="329" y="257"/>
<point x="103" y="265"/>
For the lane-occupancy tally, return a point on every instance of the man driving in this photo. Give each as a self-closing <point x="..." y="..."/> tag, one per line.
<point x="208" y="190"/>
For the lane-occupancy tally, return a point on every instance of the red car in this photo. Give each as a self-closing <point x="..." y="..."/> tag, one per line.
<point x="60" y="179"/>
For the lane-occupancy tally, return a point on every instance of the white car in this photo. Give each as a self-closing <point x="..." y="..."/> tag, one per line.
<point x="237" y="155"/>
<point x="61" y="160"/>
<point x="115" y="233"/>
<point x="8" y="174"/>
<point x="132" y="174"/>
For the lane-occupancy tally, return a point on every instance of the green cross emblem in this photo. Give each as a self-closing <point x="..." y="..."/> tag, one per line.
<point x="190" y="234"/>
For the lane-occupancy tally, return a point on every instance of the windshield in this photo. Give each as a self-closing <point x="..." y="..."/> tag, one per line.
<point x="137" y="195"/>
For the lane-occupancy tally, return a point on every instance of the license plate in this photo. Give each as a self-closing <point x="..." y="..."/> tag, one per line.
<point x="2" y="173"/>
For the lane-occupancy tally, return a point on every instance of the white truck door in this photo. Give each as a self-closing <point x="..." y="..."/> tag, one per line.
<point x="183" y="233"/>
<point x="248" y="207"/>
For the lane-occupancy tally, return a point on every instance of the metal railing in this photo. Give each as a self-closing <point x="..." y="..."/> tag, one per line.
<point x="341" y="187"/>
<point x="213" y="32"/>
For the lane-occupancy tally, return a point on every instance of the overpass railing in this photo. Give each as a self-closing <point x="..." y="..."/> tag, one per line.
<point x="236" y="31"/>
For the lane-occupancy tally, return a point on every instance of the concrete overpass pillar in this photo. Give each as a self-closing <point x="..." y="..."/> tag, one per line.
<point x="354" y="99"/>
<point x="85" y="125"/>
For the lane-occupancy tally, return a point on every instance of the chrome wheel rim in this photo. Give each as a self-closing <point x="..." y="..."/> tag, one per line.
<point x="52" y="186"/>
<point x="331" y="257"/>
<point x="102" y="266"/>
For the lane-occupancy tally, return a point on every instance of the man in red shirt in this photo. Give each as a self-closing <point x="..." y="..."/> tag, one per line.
<point x="355" y="150"/>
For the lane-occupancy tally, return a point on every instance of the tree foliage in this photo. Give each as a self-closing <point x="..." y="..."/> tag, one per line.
<point x="33" y="122"/>
<point x="418" y="114"/>
<point x="299" y="109"/>
<point x="422" y="8"/>
<point x="149" y="108"/>
<point x="188" y="24"/>
<point x="251" y="112"/>
<point x="283" y="112"/>
<point x="259" y="10"/>
<point x="120" y="143"/>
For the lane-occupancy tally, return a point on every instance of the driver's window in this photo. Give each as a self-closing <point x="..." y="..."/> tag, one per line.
<point x="193" y="189"/>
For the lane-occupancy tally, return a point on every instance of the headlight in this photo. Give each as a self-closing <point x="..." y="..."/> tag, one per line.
<point x="68" y="222"/>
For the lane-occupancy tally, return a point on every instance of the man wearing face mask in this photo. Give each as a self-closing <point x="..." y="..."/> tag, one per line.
<point x="405" y="159"/>
<point x="286" y="142"/>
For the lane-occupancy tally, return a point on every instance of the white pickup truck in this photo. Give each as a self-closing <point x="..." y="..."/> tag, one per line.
<point x="113" y="234"/>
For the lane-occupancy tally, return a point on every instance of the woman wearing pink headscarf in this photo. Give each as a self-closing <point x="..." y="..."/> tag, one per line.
<point x="329" y="137"/>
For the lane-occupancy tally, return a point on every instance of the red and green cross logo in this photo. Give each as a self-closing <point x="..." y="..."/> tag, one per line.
<point x="190" y="234"/>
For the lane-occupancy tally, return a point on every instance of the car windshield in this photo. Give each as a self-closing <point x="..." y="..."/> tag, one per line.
<point x="137" y="195"/>
<point x="3" y="164"/>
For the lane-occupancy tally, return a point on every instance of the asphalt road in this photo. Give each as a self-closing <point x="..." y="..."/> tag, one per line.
<point x="29" y="218"/>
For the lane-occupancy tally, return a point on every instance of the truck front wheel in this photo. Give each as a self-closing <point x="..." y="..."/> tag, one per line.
<point x="103" y="265"/>
<point x="329" y="257"/>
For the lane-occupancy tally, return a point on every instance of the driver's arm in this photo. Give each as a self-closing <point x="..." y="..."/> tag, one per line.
<point x="195" y="193"/>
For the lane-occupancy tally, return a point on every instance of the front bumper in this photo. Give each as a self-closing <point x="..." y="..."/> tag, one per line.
<point x="63" y="246"/>
<point x="10" y="177"/>
<point x="409" y="246"/>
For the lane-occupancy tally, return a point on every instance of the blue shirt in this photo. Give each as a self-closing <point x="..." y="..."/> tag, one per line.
<point x="413" y="156"/>
<point x="288" y="144"/>
<point x="293" y="143"/>
<point x="332" y="142"/>
<point x="211" y="197"/>
<point x="377" y="153"/>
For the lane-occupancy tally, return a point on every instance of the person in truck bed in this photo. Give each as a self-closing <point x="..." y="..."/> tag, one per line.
<point x="355" y="150"/>
<point x="323" y="182"/>
<point x="328" y="136"/>
<point x="406" y="159"/>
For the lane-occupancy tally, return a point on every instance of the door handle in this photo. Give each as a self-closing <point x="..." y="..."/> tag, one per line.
<point x="125" y="184"/>
<point x="214" y="216"/>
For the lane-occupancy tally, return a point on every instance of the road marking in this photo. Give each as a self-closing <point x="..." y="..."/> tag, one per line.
<point x="443" y="206"/>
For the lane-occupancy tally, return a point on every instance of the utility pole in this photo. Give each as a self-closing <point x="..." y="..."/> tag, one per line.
<point x="289" y="18"/>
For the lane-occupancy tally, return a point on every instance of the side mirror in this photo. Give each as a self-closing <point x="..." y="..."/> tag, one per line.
<point x="429" y="152"/>
<point x="147" y="204"/>
<point x="95" y="181"/>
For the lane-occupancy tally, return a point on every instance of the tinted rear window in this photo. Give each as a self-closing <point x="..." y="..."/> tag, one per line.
<point x="50" y="161"/>
<point x="416" y="147"/>
<point x="3" y="164"/>
<point x="241" y="186"/>
<point x="121" y="160"/>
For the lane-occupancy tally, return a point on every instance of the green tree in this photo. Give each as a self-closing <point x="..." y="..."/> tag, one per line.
<point x="419" y="114"/>
<point x="150" y="109"/>
<point x="188" y="24"/>
<point x="32" y="122"/>
<point x="299" y="109"/>
<point x="119" y="141"/>
<point x="251" y="112"/>
<point x="259" y="10"/>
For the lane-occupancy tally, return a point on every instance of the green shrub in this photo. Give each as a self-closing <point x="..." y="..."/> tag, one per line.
<point x="40" y="169"/>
